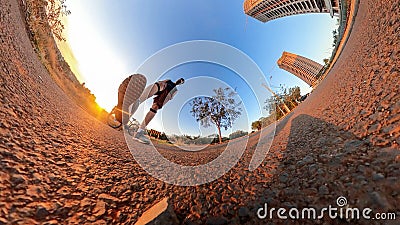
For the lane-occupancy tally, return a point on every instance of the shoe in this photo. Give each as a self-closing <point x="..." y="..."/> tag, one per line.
<point x="126" y="127"/>
<point x="118" y="115"/>
<point x="141" y="137"/>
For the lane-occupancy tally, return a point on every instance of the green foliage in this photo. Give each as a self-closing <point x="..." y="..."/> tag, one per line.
<point x="256" y="125"/>
<point x="36" y="13"/>
<point x="275" y="106"/>
<point x="163" y="137"/>
<point x="56" y="9"/>
<point x="222" y="109"/>
<point x="289" y="97"/>
<point x="335" y="38"/>
<point x="263" y="122"/>
<point x="324" y="68"/>
<point x="237" y="134"/>
<point x="195" y="140"/>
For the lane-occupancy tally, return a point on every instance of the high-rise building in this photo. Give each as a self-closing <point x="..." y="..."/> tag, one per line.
<point x="266" y="10"/>
<point x="303" y="68"/>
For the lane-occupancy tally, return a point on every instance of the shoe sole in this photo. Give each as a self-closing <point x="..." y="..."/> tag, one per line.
<point x="143" y="142"/>
<point x="133" y="91"/>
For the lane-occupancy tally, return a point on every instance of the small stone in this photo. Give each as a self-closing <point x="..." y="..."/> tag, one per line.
<point x="220" y="220"/>
<point x="243" y="212"/>
<point x="396" y="107"/>
<point x="108" y="198"/>
<point x="61" y="163"/>
<point x="352" y="145"/>
<point x="100" y="222"/>
<point x="121" y="217"/>
<point x="41" y="212"/>
<point x="377" y="199"/>
<point x="365" y="111"/>
<point x="3" y="221"/>
<point x="374" y="128"/>
<point x="187" y="221"/>
<point x="323" y="190"/>
<point x="99" y="209"/>
<point x="86" y="202"/>
<point x="361" y="168"/>
<point x="34" y="191"/>
<point x="360" y="178"/>
<point x="312" y="168"/>
<point x="377" y="176"/>
<point x="64" y="191"/>
<point x="288" y="205"/>
<point x="161" y="213"/>
<point x="63" y="211"/>
<point x="283" y="177"/>
<point x="52" y="222"/>
<point x="310" y="191"/>
<point x="337" y="159"/>
<point x="306" y="160"/>
<point x="17" y="179"/>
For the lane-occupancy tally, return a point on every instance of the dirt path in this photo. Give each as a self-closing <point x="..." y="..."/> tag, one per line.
<point x="60" y="165"/>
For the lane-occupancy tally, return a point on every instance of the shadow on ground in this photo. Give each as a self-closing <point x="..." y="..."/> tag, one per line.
<point x="322" y="163"/>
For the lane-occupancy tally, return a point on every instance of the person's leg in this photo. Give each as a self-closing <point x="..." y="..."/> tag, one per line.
<point x="140" y="135"/>
<point x="148" y="92"/>
<point x="158" y="103"/>
<point x="149" y="116"/>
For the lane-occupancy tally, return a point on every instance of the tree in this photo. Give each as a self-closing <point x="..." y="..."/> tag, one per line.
<point x="55" y="10"/>
<point x="222" y="109"/>
<point x="335" y="38"/>
<point x="256" y="125"/>
<point x="263" y="122"/>
<point x="292" y="97"/>
<point x="275" y="104"/>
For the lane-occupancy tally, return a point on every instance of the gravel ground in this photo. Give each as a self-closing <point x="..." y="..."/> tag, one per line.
<point x="59" y="165"/>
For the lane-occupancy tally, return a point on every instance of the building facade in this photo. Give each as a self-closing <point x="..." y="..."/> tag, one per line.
<point x="303" y="68"/>
<point x="266" y="10"/>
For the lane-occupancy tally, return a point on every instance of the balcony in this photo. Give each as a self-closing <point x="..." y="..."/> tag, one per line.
<point x="249" y="4"/>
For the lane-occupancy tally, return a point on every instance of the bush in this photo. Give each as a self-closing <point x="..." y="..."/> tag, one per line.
<point x="237" y="134"/>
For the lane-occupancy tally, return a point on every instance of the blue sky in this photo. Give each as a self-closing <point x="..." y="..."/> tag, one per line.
<point x="112" y="39"/>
